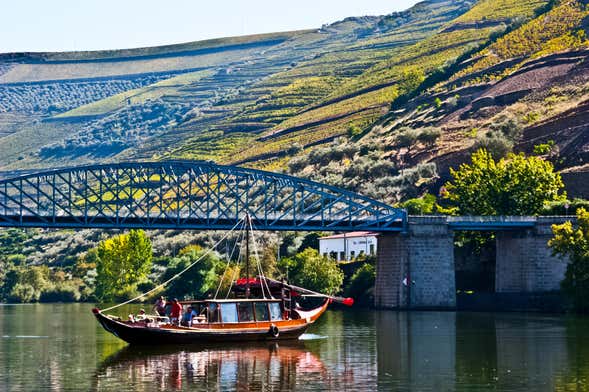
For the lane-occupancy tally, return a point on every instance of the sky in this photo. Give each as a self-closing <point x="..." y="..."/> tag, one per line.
<point x="61" y="25"/>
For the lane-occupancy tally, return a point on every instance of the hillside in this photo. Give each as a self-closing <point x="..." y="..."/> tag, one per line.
<point x="394" y="99"/>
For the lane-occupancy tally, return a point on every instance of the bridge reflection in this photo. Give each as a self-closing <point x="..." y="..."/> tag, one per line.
<point x="263" y="366"/>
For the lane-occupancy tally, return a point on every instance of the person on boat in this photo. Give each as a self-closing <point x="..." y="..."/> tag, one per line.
<point x="141" y="315"/>
<point x="176" y="311"/>
<point x="187" y="317"/>
<point x="160" y="306"/>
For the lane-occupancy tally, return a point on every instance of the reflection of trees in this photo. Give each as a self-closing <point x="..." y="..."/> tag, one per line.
<point x="476" y="349"/>
<point x="251" y="367"/>
<point x="416" y="350"/>
<point x="576" y="376"/>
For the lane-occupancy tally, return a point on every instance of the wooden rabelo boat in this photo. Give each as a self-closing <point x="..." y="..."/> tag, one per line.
<point x="258" y="309"/>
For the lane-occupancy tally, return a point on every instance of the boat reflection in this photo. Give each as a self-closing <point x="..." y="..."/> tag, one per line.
<point x="245" y="367"/>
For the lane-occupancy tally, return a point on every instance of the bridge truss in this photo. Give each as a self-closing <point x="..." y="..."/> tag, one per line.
<point x="185" y="195"/>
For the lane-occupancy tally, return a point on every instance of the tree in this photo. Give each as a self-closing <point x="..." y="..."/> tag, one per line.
<point x="516" y="185"/>
<point x="314" y="272"/>
<point x="123" y="261"/>
<point x="574" y="243"/>
<point x="197" y="281"/>
<point x="424" y="205"/>
<point x="25" y="284"/>
<point x="361" y="284"/>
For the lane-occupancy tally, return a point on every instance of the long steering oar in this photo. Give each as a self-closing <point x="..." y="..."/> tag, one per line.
<point x="310" y="293"/>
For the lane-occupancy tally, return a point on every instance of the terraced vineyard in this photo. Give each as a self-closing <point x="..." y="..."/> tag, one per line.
<point x="403" y="96"/>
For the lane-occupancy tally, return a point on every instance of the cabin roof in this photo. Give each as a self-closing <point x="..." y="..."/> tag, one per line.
<point x="188" y="302"/>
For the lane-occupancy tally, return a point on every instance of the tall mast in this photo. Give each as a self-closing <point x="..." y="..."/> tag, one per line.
<point x="247" y="256"/>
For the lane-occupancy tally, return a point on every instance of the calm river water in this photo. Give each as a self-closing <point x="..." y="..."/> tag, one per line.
<point x="61" y="347"/>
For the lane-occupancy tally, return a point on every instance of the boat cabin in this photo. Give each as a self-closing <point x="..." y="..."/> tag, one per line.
<point x="237" y="310"/>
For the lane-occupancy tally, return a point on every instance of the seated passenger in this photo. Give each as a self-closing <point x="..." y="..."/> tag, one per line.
<point x="187" y="317"/>
<point x="141" y="315"/>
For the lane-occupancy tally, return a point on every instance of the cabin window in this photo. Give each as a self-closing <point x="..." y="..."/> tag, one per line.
<point x="213" y="315"/>
<point x="275" y="313"/>
<point x="371" y="249"/>
<point x="228" y="312"/>
<point x="245" y="311"/>
<point x="261" y="311"/>
<point x="342" y="256"/>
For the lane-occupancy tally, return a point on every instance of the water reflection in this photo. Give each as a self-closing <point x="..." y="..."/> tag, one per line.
<point x="272" y="366"/>
<point x="433" y="351"/>
<point x="61" y="347"/>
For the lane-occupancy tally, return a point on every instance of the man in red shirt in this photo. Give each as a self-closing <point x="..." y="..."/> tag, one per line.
<point x="176" y="311"/>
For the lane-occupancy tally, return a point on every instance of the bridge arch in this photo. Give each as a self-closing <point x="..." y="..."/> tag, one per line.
<point x="185" y="195"/>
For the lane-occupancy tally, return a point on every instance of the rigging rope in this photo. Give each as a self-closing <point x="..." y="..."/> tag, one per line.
<point x="260" y="270"/>
<point x="238" y="241"/>
<point x="178" y="274"/>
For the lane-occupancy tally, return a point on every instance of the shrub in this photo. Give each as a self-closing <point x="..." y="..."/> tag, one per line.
<point x="354" y="130"/>
<point x="362" y="284"/>
<point x="314" y="272"/>
<point x="23" y="292"/>
<point x="407" y="138"/>
<point x="429" y="136"/>
<point x="60" y="293"/>
<point x="420" y="206"/>
<point x="498" y="146"/>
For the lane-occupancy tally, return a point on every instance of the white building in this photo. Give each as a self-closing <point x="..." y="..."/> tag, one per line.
<point x="348" y="246"/>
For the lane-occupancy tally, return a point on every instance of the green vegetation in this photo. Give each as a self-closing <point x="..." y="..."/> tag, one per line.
<point x="573" y="242"/>
<point x="515" y="185"/>
<point x="314" y="272"/>
<point x="500" y="10"/>
<point x="199" y="280"/>
<point x="557" y="30"/>
<point x="361" y="285"/>
<point x="122" y="263"/>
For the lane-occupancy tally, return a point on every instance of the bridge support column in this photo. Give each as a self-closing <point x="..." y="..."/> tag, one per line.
<point x="424" y="258"/>
<point x="524" y="262"/>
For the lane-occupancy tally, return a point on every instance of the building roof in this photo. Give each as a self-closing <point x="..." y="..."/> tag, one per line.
<point x="354" y="234"/>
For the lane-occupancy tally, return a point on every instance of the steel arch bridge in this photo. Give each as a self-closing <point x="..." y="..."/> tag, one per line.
<point x="185" y="195"/>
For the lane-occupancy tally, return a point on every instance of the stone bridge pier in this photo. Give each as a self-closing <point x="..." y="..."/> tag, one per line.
<point x="524" y="263"/>
<point x="416" y="269"/>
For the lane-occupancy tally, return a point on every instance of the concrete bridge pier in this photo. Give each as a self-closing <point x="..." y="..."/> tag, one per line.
<point x="524" y="263"/>
<point x="416" y="269"/>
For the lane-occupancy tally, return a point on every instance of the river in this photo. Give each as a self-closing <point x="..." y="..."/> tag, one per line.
<point x="61" y="347"/>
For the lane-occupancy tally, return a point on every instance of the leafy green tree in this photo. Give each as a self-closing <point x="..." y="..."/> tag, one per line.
<point x="123" y="261"/>
<point x="199" y="280"/>
<point x="573" y="243"/>
<point x="25" y="284"/>
<point x="421" y="205"/>
<point x="516" y="185"/>
<point x="361" y="284"/>
<point x="314" y="272"/>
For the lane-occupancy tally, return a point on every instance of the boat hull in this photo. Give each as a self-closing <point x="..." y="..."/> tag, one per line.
<point x="141" y="334"/>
